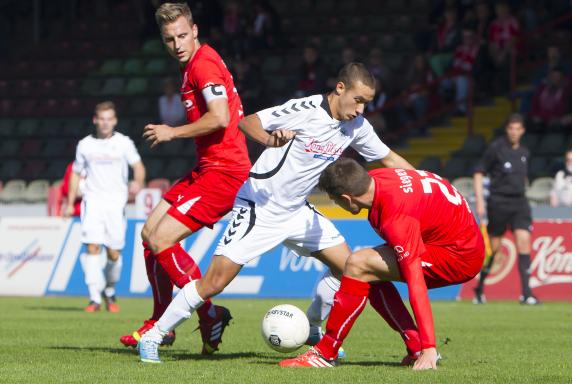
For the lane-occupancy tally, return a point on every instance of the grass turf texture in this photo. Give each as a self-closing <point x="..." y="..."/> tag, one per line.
<point x="53" y="340"/>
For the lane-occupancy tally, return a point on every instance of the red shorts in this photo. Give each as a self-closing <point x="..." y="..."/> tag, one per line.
<point x="202" y="198"/>
<point x="444" y="266"/>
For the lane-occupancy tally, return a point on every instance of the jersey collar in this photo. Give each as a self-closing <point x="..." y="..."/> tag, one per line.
<point x="326" y="107"/>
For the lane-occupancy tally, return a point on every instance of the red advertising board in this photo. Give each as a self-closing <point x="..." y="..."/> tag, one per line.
<point x="551" y="265"/>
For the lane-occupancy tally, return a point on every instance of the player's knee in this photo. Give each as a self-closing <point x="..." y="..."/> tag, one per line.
<point x="93" y="249"/>
<point x="113" y="255"/>
<point x="355" y="264"/>
<point x="157" y="242"/>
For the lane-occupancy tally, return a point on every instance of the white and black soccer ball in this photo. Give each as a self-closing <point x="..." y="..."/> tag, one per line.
<point x="285" y="328"/>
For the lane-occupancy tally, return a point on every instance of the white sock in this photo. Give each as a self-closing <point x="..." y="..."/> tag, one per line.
<point x="180" y="309"/>
<point x="322" y="302"/>
<point x="93" y="276"/>
<point x="112" y="272"/>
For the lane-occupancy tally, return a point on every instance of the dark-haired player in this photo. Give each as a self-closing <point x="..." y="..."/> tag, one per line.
<point x="432" y="240"/>
<point x="271" y="208"/>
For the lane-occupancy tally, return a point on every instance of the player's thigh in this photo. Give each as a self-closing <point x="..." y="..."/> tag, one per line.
<point x="219" y="274"/>
<point x="168" y="232"/>
<point x="154" y="217"/>
<point x="373" y="264"/>
<point x="252" y="231"/>
<point x="92" y="224"/>
<point x="335" y="258"/>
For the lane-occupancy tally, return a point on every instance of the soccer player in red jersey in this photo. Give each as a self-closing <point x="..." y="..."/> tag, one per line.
<point x="207" y="193"/>
<point x="432" y="240"/>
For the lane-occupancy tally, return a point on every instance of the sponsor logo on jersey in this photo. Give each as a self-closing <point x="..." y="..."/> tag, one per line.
<point x="189" y="104"/>
<point x="329" y="151"/>
<point x="401" y="253"/>
<point x="406" y="185"/>
<point x="184" y="208"/>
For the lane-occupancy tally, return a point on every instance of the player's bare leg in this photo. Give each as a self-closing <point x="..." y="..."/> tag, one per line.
<point x="112" y="272"/>
<point x="94" y="278"/>
<point x="496" y="242"/>
<point x="522" y="239"/>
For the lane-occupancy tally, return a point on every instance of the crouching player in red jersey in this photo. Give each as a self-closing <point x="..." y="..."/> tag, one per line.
<point x="205" y="195"/>
<point x="432" y="241"/>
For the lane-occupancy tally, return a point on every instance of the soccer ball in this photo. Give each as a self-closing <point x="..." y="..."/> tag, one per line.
<point x="285" y="328"/>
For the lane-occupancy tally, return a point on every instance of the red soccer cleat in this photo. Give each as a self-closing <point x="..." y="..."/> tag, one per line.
<point x="92" y="307"/>
<point x="310" y="359"/>
<point x="110" y="304"/>
<point x="132" y="339"/>
<point x="213" y="328"/>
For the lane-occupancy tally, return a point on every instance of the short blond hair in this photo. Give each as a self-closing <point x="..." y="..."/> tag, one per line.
<point x="170" y="12"/>
<point x="104" y="106"/>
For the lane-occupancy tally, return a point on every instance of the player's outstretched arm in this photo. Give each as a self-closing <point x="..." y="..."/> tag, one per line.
<point x="252" y="127"/>
<point x="138" y="177"/>
<point x="72" y="194"/>
<point x="393" y="160"/>
<point x="215" y="118"/>
<point x="479" y="195"/>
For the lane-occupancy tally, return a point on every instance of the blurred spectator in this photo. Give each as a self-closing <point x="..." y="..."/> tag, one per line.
<point x="533" y="14"/>
<point x="378" y="102"/>
<point x="561" y="194"/>
<point x="447" y="38"/>
<point x="313" y="73"/>
<point x="379" y="69"/>
<point x="248" y="85"/>
<point x="503" y="33"/>
<point x="554" y="59"/>
<point x="463" y="62"/>
<point x="348" y="55"/>
<point x="171" y="109"/>
<point x="233" y="29"/>
<point x="550" y="102"/>
<point x="419" y="81"/>
<point x="266" y="27"/>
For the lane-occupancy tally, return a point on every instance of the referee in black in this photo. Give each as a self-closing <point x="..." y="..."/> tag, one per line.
<point x="506" y="163"/>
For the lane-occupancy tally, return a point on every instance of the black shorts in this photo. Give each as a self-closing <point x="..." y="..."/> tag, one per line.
<point x="508" y="213"/>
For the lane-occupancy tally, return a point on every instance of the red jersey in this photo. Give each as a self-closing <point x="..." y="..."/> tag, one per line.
<point x="412" y="209"/>
<point x="502" y="31"/>
<point x="64" y="188"/>
<point x="223" y="148"/>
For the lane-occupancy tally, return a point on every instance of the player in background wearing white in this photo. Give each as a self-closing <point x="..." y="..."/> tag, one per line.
<point x="104" y="156"/>
<point x="271" y="208"/>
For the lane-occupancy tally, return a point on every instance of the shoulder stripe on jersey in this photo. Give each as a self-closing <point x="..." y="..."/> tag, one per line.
<point x="271" y="173"/>
<point x="294" y="108"/>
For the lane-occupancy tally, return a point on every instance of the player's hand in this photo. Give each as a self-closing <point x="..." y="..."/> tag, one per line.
<point x="280" y="137"/>
<point x="134" y="188"/>
<point x="68" y="211"/>
<point x="427" y="360"/>
<point x="156" y="134"/>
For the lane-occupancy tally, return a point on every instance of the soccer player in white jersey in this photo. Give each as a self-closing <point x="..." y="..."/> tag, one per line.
<point x="303" y="136"/>
<point x="104" y="156"/>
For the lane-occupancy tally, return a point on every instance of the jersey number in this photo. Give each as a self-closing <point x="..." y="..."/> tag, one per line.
<point x="430" y="179"/>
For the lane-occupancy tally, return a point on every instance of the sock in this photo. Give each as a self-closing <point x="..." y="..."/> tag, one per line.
<point x="321" y="304"/>
<point x="524" y="271"/>
<point x="385" y="299"/>
<point x="349" y="302"/>
<point x="180" y="309"/>
<point x="161" y="284"/>
<point x="181" y="269"/>
<point x="112" y="273"/>
<point x="93" y="276"/>
<point x="484" y="273"/>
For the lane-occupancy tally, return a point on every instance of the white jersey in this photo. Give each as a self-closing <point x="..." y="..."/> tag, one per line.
<point x="283" y="177"/>
<point x="105" y="162"/>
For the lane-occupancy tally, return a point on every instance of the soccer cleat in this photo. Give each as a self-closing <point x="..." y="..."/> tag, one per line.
<point x="213" y="328"/>
<point x="148" y="350"/>
<point x="110" y="304"/>
<point x="410" y="359"/>
<point x="479" y="297"/>
<point x="529" y="300"/>
<point x="315" y="337"/>
<point x="310" y="359"/>
<point x="132" y="339"/>
<point x="92" y="307"/>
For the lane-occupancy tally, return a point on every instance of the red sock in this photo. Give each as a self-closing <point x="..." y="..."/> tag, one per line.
<point x="161" y="285"/>
<point x="181" y="269"/>
<point x="349" y="302"/>
<point x="387" y="302"/>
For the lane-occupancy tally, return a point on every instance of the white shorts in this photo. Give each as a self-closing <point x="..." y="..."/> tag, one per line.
<point x="255" y="230"/>
<point x="103" y="223"/>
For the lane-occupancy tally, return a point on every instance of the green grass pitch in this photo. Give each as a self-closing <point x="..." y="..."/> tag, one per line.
<point x="53" y="340"/>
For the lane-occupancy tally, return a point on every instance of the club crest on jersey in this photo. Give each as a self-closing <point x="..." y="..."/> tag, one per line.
<point x="189" y="104"/>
